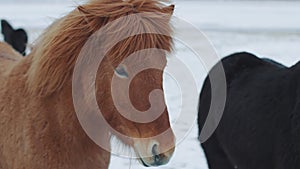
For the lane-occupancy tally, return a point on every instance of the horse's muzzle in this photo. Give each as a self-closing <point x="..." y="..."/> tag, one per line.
<point x="154" y="157"/>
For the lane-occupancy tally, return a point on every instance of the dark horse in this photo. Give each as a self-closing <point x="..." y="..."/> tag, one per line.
<point x="260" y="127"/>
<point x="16" y="38"/>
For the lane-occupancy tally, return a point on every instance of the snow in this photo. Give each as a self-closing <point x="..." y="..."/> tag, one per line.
<point x="269" y="29"/>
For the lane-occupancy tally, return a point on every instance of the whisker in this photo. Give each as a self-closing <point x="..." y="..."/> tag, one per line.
<point x="130" y="160"/>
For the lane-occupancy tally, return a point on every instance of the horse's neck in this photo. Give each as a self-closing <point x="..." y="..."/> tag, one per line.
<point x="48" y="125"/>
<point x="59" y="108"/>
<point x="54" y="116"/>
<point x="62" y="109"/>
<point x="56" y="105"/>
<point x="72" y="130"/>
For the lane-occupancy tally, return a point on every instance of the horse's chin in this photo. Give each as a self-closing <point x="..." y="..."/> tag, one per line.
<point x="150" y="162"/>
<point x="142" y="162"/>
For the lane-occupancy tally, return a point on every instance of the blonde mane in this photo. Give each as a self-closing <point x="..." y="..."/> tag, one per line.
<point x="56" y="52"/>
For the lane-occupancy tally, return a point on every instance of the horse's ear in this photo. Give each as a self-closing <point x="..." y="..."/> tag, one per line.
<point x="6" y="27"/>
<point x="19" y="40"/>
<point x="169" y="9"/>
<point x="21" y="35"/>
<point x="7" y="30"/>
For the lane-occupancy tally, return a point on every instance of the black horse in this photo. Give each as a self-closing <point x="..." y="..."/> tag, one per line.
<point x="16" y="38"/>
<point x="260" y="127"/>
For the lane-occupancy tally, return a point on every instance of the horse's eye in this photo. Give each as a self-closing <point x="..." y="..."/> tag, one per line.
<point x="121" y="71"/>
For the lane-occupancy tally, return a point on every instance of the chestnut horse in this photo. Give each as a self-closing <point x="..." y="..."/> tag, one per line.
<point x="39" y="125"/>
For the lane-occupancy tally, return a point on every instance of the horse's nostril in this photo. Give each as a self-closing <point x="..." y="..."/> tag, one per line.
<point x="155" y="150"/>
<point x="156" y="155"/>
<point x="157" y="159"/>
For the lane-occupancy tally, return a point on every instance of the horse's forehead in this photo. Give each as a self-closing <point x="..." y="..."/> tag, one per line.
<point x="147" y="58"/>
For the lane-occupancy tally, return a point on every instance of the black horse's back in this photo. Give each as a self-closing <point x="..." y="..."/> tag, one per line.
<point x="234" y="65"/>
<point x="16" y="38"/>
<point x="259" y="103"/>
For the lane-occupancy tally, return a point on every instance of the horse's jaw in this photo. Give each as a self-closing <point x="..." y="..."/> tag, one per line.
<point x="150" y="154"/>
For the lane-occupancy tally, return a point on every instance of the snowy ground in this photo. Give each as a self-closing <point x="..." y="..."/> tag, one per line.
<point x="268" y="29"/>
